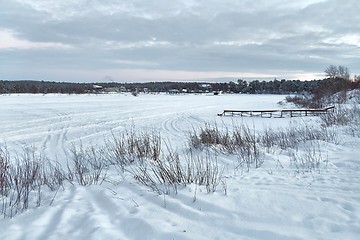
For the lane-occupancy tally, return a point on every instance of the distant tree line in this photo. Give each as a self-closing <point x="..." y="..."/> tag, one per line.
<point x="29" y="86"/>
<point x="336" y="81"/>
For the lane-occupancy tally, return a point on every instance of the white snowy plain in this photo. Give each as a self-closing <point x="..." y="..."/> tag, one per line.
<point x="270" y="202"/>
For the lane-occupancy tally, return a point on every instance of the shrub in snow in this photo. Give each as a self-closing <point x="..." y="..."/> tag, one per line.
<point x="131" y="147"/>
<point x="170" y="172"/>
<point x="240" y="141"/>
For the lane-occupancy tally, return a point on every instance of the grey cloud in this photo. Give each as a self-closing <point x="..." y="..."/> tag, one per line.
<point x="257" y="36"/>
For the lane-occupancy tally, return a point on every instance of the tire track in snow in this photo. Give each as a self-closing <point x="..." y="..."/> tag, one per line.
<point x="54" y="144"/>
<point x="56" y="215"/>
<point x="172" y="125"/>
<point x="179" y="124"/>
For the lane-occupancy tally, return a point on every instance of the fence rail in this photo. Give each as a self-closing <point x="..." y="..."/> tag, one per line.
<point x="277" y="113"/>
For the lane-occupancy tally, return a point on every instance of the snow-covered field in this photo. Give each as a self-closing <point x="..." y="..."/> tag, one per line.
<point x="275" y="201"/>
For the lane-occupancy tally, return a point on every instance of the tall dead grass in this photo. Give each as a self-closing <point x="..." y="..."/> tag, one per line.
<point x="154" y="164"/>
<point x="164" y="175"/>
<point x="285" y="138"/>
<point x="249" y="145"/>
<point x="241" y="141"/>
<point x="132" y="146"/>
<point x="23" y="177"/>
<point x="342" y="115"/>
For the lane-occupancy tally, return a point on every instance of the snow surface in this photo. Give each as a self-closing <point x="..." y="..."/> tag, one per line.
<point x="270" y="202"/>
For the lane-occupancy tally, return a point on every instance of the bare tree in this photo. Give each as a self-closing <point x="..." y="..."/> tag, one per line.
<point x="343" y="72"/>
<point x="337" y="72"/>
<point x="331" y="71"/>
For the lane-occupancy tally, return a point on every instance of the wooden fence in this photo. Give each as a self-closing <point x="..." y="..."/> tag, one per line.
<point x="277" y="113"/>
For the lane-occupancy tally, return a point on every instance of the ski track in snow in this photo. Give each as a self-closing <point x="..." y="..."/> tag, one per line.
<point x="265" y="203"/>
<point x="53" y="130"/>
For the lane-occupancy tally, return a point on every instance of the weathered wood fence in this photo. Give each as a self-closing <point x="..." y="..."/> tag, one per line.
<point x="277" y="113"/>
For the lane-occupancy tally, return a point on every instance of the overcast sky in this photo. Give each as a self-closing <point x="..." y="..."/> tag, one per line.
<point x="159" y="40"/>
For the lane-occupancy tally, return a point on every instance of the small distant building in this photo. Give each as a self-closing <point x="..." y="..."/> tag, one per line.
<point x="112" y="90"/>
<point x="97" y="88"/>
<point x="174" y="91"/>
<point x="205" y="85"/>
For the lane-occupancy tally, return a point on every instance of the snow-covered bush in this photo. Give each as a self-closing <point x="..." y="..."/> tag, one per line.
<point x="173" y="171"/>
<point x="310" y="158"/>
<point x="88" y="166"/>
<point x="133" y="146"/>
<point x="291" y="137"/>
<point x="240" y="141"/>
<point x="342" y="115"/>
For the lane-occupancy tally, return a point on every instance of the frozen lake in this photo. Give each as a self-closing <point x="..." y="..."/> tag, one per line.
<point x="51" y="123"/>
<point x="275" y="201"/>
